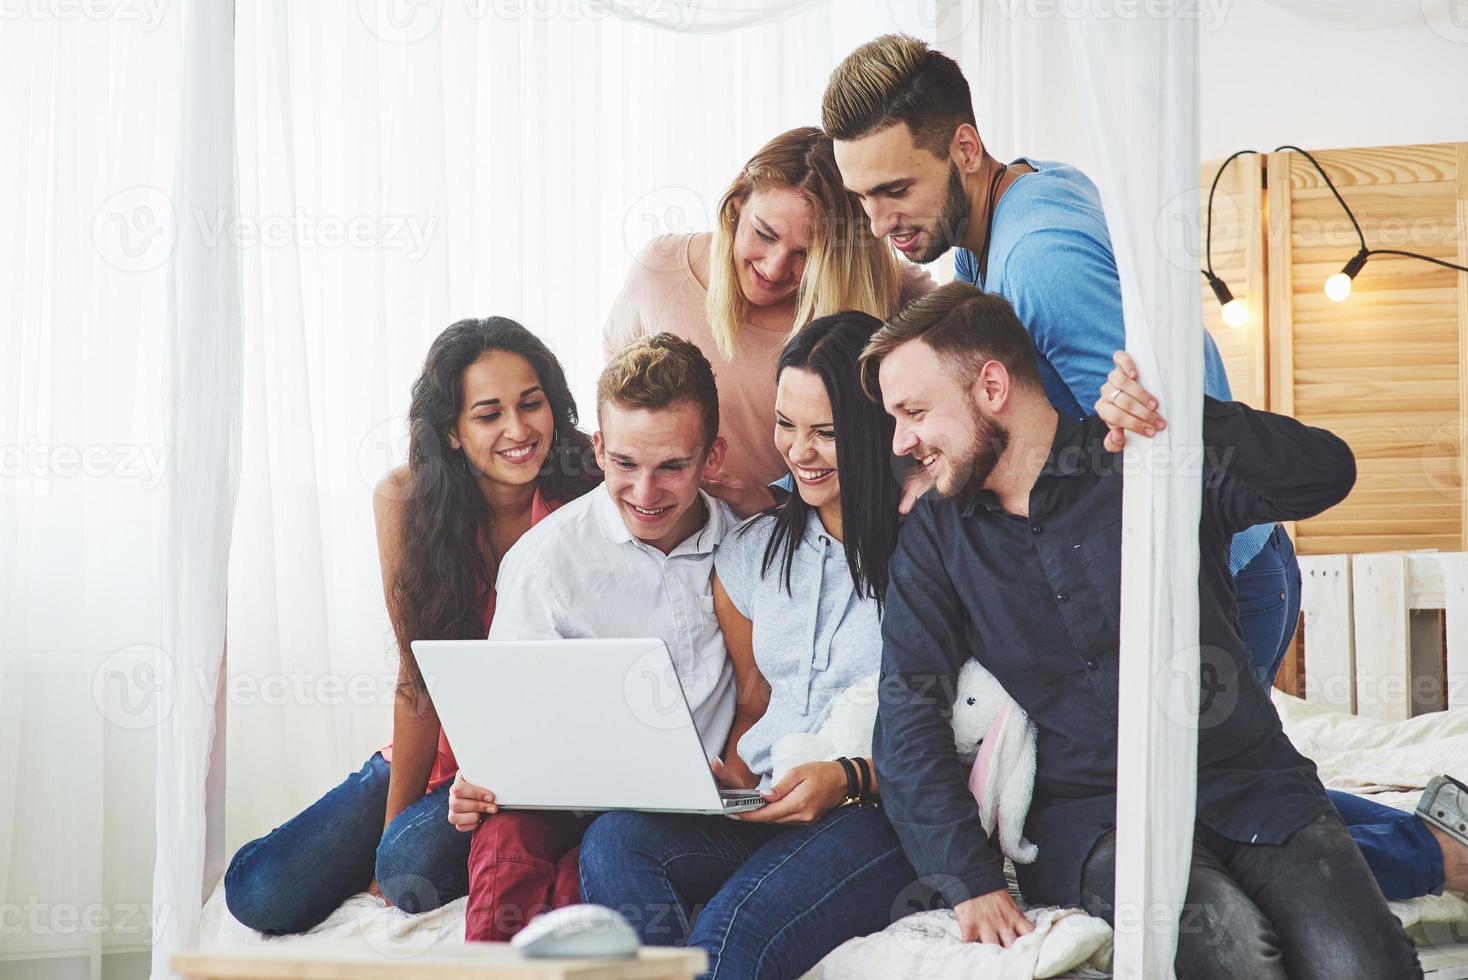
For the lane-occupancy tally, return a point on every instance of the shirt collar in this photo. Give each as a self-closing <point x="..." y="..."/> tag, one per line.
<point x="706" y="539"/>
<point x="1068" y="452"/>
<point x="816" y="538"/>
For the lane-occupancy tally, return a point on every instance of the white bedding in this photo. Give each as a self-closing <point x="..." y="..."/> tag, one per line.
<point x="1390" y="761"/>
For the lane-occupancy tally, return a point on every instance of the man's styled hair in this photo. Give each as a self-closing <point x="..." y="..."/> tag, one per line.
<point x="965" y="327"/>
<point x="658" y="371"/>
<point x="897" y="79"/>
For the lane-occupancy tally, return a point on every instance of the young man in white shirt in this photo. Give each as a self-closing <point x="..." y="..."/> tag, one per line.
<point x="632" y="558"/>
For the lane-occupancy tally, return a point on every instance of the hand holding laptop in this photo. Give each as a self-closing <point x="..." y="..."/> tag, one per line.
<point x="468" y="803"/>
<point x="806" y="793"/>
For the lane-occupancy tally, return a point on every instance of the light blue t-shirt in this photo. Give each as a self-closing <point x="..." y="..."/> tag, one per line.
<point x="810" y="643"/>
<point x="1050" y="256"/>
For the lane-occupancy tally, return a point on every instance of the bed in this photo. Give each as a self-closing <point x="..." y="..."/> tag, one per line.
<point x="1385" y="709"/>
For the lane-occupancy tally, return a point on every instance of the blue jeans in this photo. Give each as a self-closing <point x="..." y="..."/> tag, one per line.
<point x="1403" y="855"/>
<point x="1268" y="594"/>
<point x="761" y="900"/>
<point x="291" y="879"/>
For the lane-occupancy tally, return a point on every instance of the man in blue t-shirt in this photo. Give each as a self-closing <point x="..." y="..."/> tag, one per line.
<point x="1034" y="232"/>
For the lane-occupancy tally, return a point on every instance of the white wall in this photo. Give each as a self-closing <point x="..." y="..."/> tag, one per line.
<point x="1270" y="77"/>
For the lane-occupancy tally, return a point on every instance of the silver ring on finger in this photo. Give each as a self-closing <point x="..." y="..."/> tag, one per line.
<point x="1115" y="394"/>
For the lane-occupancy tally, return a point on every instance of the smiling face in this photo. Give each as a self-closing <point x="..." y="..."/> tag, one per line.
<point x="505" y="425"/>
<point x="805" y="435"/>
<point x="773" y="233"/>
<point x="909" y="194"/>
<point x="654" y="461"/>
<point x="938" y="420"/>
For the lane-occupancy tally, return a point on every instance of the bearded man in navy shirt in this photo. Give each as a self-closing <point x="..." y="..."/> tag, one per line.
<point x="1016" y="563"/>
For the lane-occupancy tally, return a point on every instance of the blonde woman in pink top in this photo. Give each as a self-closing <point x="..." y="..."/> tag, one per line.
<point x="789" y="244"/>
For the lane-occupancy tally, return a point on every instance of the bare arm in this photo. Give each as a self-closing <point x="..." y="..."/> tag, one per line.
<point x="753" y="691"/>
<point x="415" y="724"/>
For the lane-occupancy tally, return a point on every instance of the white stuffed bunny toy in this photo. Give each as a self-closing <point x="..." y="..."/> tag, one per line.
<point x="991" y="733"/>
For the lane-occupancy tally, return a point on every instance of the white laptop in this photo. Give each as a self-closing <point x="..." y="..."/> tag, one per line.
<point x="573" y="725"/>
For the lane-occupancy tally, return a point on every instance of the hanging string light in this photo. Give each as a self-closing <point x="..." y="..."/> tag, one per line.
<point x="1338" y="286"/>
<point x="1235" y="313"/>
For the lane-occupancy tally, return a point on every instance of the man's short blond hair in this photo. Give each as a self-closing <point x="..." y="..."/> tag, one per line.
<point x="897" y="79"/>
<point x="658" y="371"/>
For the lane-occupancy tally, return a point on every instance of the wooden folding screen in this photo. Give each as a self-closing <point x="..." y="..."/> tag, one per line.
<point x="1385" y="369"/>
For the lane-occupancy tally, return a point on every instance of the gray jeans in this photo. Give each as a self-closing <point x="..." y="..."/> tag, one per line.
<point x="1305" y="909"/>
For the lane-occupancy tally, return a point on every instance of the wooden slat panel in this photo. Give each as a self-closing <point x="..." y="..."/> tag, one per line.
<point x="1322" y="544"/>
<point x="1455" y="588"/>
<point x="1377" y="165"/>
<point x="1280" y="282"/>
<point x="1238" y="258"/>
<point x="1386" y="370"/>
<point x="1457" y="432"/>
<point x="1383" y="641"/>
<point x="1330" y="653"/>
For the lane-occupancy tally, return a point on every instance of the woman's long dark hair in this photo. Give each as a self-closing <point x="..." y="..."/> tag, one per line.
<point x="829" y="347"/>
<point x="448" y="564"/>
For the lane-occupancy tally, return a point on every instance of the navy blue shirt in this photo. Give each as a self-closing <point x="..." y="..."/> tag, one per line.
<point x="1036" y="599"/>
<point x="1050" y="256"/>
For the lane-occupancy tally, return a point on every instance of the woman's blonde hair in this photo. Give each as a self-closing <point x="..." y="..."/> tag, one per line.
<point x="846" y="268"/>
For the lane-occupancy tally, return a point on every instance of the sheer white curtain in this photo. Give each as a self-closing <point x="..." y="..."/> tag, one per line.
<point x="494" y="158"/>
<point x="1139" y="85"/>
<point x="1118" y="97"/>
<point x="1017" y="60"/>
<point x="114" y="428"/>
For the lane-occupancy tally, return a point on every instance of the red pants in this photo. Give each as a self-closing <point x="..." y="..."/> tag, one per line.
<point x="521" y="863"/>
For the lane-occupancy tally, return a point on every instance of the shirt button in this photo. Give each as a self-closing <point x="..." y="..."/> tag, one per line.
<point x="1093" y="664"/>
<point x="1062" y="596"/>
<point x="1035" y="529"/>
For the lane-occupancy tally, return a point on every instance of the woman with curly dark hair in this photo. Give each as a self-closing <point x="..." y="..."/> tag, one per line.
<point x="493" y="448"/>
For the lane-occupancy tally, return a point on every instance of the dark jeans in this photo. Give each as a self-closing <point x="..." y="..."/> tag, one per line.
<point x="1402" y="854"/>
<point x="295" y="876"/>
<point x="1305" y="909"/>
<point x="1268" y="593"/>
<point x="761" y="900"/>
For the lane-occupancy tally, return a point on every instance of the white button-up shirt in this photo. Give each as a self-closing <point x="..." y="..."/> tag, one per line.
<point x="580" y="573"/>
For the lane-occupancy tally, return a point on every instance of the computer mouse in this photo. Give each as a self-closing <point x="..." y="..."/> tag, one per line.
<point x="577" y="931"/>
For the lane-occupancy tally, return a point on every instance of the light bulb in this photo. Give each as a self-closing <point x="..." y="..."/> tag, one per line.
<point x="1235" y="314"/>
<point x="1338" y="287"/>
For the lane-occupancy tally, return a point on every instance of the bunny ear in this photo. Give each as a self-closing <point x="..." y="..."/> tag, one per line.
<point x="987" y="773"/>
<point x="978" y="779"/>
<point x="1018" y="789"/>
<point x="999" y="740"/>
